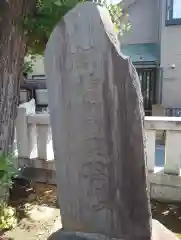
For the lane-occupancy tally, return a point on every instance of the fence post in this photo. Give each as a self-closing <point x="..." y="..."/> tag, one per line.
<point x="32" y="138"/>
<point x="150" y="148"/>
<point x="42" y="140"/>
<point x="172" y="152"/>
<point x="22" y="133"/>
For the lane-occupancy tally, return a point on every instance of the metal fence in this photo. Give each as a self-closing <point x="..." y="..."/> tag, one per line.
<point x="148" y="82"/>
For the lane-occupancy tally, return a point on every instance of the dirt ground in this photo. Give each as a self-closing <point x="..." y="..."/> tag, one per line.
<point x="39" y="216"/>
<point x="37" y="211"/>
<point x="169" y="215"/>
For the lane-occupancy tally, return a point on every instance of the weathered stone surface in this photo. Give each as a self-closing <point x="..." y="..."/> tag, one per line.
<point x="97" y="126"/>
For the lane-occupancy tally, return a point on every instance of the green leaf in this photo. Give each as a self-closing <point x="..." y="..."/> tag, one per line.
<point x="7" y="170"/>
<point x="58" y="3"/>
<point x="2" y="174"/>
<point x="3" y="163"/>
<point x="49" y="12"/>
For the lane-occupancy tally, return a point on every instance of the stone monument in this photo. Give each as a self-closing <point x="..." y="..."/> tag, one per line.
<point x="96" y="114"/>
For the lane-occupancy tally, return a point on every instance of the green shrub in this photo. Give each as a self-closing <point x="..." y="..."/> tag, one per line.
<point x="8" y="218"/>
<point x="7" y="172"/>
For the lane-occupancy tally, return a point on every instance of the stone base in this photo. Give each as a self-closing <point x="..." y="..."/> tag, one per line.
<point x="159" y="232"/>
<point x="165" y="187"/>
<point x="38" y="175"/>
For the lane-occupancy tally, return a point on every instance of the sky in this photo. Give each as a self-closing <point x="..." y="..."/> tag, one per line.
<point x="114" y="1"/>
<point x="177" y="9"/>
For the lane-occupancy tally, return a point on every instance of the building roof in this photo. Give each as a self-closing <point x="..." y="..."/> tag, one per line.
<point x="142" y="53"/>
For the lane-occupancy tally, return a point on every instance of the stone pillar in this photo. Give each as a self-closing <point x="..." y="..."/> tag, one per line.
<point x="96" y="111"/>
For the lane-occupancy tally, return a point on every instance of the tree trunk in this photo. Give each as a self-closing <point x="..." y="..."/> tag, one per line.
<point x="12" y="52"/>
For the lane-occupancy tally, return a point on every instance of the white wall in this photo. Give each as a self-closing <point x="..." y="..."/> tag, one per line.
<point x="171" y="54"/>
<point x="144" y="18"/>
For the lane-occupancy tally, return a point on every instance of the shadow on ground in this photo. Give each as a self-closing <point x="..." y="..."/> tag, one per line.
<point x="168" y="214"/>
<point x="26" y="193"/>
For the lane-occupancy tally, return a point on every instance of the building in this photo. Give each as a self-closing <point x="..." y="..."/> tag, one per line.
<point x="154" y="46"/>
<point x="153" y="43"/>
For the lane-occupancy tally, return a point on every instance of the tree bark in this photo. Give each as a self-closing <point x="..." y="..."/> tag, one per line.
<point x="12" y="51"/>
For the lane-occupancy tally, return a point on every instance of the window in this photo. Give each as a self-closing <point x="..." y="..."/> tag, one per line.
<point x="173" y="16"/>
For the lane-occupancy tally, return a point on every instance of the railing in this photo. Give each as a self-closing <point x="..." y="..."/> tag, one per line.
<point x="172" y="146"/>
<point x="33" y="138"/>
<point x="34" y="148"/>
